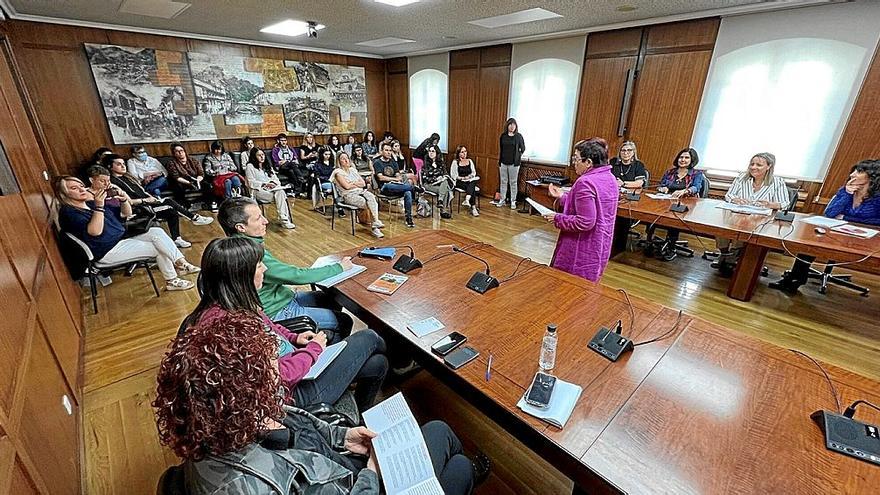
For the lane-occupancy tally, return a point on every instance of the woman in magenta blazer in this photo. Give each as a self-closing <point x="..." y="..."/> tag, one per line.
<point x="586" y="224"/>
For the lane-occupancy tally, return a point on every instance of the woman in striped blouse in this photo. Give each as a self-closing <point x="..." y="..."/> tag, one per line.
<point x="757" y="186"/>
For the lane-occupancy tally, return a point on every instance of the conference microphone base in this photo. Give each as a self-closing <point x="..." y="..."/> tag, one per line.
<point x="679" y="208"/>
<point x="633" y="196"/>
<point x="849" y="436"/>
<point x="482" y="283"/>
<point x="609" y="344"/>
<point x="784" y="216"/>
<point x="406" y="264"/>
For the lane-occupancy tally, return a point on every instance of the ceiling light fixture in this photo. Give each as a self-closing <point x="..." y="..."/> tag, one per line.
<point x="528" y="15"/>
<point x="626" y="8"/>
<point x="381" y="42"/>
<point x="396" y="3"/>
<point x="291" y="27"/>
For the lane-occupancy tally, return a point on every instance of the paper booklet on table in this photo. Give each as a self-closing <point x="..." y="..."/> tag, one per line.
<point x="863" y="232"/>
<point x="424" y="327"/>
<point x="541" y="209"/>
<point x="562" y="402"/>
<point x="820" y="221"/>
<point x="330" y="353"/>
<point x="335" y="279"/>
<point x="388" y="283"/>
<point x="400" y="449"/>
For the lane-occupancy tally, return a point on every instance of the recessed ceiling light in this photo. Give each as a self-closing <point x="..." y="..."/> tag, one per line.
<point x="290" y="28"/>
<point x="529" y="15"/>
<point x="626" y="8"/>
<point x="378" y="43"/>
<point x="396" y="3"/>
<point x="153" y="8"/>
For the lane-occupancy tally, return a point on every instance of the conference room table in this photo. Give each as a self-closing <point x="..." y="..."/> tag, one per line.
<point x="702" y="409"/>
<point x="759" y="233"/>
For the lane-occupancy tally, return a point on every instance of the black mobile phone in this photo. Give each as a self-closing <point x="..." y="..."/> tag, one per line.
<point x="541" y="389"/>
<point x="446" y="345"/>
<point x="461" y="357"/>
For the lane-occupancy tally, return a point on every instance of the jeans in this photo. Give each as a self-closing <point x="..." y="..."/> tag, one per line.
<point x="362" y="361"/>
<point x="232" y="182"/>
<point x="405" y="190"/>
<point x="320" y="307"/>
<point x="509" y="176"/>
<point x="156" y="185"/>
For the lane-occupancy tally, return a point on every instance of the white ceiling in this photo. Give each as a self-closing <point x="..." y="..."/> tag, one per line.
<point x="433" y="24"/>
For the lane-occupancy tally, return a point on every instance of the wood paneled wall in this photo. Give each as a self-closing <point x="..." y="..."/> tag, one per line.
<point x="478" y="91"/>
<point x="398" y="102"/>
<point x="58" y="76"/>
<point x="41" y="327"/>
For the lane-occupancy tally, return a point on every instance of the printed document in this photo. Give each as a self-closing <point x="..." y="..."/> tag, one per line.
<point x="541" y="209"/>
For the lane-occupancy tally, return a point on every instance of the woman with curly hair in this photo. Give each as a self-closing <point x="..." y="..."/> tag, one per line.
<point x="218" y="407"/>
<point x="232" y="272"/>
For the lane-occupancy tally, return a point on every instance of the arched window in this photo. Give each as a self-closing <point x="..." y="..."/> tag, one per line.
<point x="428" y="105"/>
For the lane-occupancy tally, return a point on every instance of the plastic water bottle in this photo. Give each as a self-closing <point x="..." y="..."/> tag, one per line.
<point x="548" y="349"/>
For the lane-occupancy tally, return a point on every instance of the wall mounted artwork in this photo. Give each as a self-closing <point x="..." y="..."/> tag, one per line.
<point x="153" y="95"/>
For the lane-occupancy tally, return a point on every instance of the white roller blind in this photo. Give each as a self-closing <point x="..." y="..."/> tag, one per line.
<point x="428" y="98"/>
<point x="544" y="85"/>
<point x="785" y="82"/>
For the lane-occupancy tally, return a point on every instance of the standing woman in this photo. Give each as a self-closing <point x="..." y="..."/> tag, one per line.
<point x="219" y="165"/>
<point x="756" y="186"/>
<point x="464" y="173"/>
<point x="586" y="224"/>
<point x="266" y="186"/>
<point x="512" y="145"/>
<point x="628" y="169"/>
<point x="435" y="179"/>
<point x="370" y="146"/>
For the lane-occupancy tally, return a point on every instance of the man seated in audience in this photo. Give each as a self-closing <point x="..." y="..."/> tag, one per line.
<point x="392" y="181"/>
<point x="857" y="201"/>
<point x="148" y="170"/>
<point x="286" y="159"/>
<point x="242" y="217"/>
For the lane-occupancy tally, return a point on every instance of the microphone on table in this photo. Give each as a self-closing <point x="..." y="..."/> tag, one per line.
<point x="406" y="264"/>
<point x="480" y="282"/>
<point x="678" y="207"/>
<point x="784" y="215"/>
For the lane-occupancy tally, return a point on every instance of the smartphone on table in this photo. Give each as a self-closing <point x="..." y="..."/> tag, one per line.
<point x="461" y="357"/>
<point x="448" y="343"/>
<point x="541" y="390"/>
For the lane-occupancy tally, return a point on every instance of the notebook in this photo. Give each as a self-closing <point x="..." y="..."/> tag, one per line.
<point x="388" y="283"/>
<point x="424" y="327"/>
<point x="335" y="279"/>
<point x="562" y="402"/>
<point x="330" y="353"/>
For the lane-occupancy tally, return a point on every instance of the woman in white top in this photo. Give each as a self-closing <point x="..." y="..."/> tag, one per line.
<point x="464" y="173"/>
<point x="266" y="187"/>
<point x="352" y="190"/>
<point x="247" y="144"/>
<point x="758" y="187"/>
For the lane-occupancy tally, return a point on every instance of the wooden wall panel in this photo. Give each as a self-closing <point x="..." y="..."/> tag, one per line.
<point x="15" y="326"/>
<point x="859" y="140"/>
<point x="602" y="88"/>
<point x="494" y="92"/>
<point x="688" y="35"/>
<point x="20" y="483"/>
<point x="398" y="108"/>
<point x="463" y="114"/>
<point x="63" y="336"/>
<point x="619" y="43"/>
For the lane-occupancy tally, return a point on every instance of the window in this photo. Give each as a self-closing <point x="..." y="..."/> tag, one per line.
<point x="543" y="100"/>
<point x="428" y="106"/>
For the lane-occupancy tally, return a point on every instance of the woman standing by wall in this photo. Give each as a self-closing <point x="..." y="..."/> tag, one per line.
<point x="512" y="145"/>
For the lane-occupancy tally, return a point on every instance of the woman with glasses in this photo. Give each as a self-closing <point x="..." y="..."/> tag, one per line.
<point x="629" y="171"/>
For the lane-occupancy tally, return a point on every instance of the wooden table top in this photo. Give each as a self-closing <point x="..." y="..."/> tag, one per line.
<point x="630" y="428"/>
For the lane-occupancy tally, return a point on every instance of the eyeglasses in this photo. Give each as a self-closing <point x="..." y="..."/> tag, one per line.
<point x="626" y="150"/>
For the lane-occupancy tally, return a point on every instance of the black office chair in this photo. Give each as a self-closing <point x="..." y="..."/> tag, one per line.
<point x="825" y="277"/>
<point x="634" y="234"/>
<point x="670" y="247"/>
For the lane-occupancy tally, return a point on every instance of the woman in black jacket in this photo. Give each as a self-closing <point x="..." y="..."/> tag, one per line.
<point x="512" y="145"/>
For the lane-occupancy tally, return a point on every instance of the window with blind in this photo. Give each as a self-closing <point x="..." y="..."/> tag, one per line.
<point x="428" y="105"/>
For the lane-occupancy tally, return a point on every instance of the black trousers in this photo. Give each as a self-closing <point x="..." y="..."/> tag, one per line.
<point x="172" y="216"/>
<point x="470" y="187"/>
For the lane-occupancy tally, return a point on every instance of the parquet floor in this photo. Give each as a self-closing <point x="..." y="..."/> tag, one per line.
<point x="126" y="340"/>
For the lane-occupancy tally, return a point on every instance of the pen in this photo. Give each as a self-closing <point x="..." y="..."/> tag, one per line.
<point x="489" y="368"/>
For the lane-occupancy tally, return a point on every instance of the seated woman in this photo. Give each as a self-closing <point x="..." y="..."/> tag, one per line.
<point x="421" y="150"/>
<point x="463" y="172"/>
<point x="266" y="186"/>
<point x="353" y="191"/>
<point x="857" y="201"/>
<point x="218" y="408"/>
<point x="322" y="171"/>
<point x="101" y="227"/>
<point x="308" y="151"/>
<point x="682" y="180"/>
<point x="586" y="224"/>
<point x="225" y="181"/>
<point x="335" y="146"/>
<point x="232" y="272"/>
<point x="397" y="156"/>
<point x="361" y="162"/>
<point x="629" y="171"/>
<point x="435" y="179"/>
<point x="185" y="173"/>
<point x="370" y="146"/>
<point x="759" y="187"/>
<point x="115" y="170"/>
<point x="247" y="144"/>
<point x="350" y="143"/>
<point x="152" y="174"/>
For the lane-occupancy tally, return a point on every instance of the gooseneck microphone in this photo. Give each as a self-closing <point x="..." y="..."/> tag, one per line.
<point x="678" y="207"/>
<point x="406" y="264"/>
<point x="480" y="282"/>
<point x="784" y="215"/>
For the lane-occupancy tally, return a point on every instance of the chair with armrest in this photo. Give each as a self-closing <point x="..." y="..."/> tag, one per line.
<point x="670" y="246"/>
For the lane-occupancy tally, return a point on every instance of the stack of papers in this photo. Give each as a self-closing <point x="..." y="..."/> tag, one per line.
<point x="747" y="209"/>
<point x="863" y="232"/>
<point x="820" y="221"/>
<point x="562" y="402"/>
<point x="335" y="279"/>
<point x="659" y="196"/>
<point x="330" y="353"/>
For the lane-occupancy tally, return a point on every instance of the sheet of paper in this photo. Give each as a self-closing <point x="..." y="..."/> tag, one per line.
<point x="541" y="209"/>
<point x="659" y="195"/>
<point x="863" y="232"/>
<point x="324" y="360"/>
<point x="400" y="449"/>
<point x="820" y="221"/>
<point x="747" y="209"/>
<point x="335" y="279"/>
<point x="425" y="327"/>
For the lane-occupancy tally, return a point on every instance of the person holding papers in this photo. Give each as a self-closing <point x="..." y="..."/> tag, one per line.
<point x="266" y="186"/>
<point x="757" y="186"/>
<point x="857" y="201"/>
<point x="242" y="217"/>
<point x="586" y="224"/>
<point x="217" y="407"/>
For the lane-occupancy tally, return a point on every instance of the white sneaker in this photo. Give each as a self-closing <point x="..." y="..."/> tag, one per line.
<point x="187" y="268"/>
<point x="378" y="224"/>
<point x="512" y="206"/>
<point x="200" y="220"/>
<point x="466" y="203"/>
<point x="178" y="284"/>
<point x="288" y="225"/>
<point x="182" y="243"/>
<point x="498" y="203"/>
<point x="475" y="212"/>
<point x="378" y="233"/>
